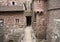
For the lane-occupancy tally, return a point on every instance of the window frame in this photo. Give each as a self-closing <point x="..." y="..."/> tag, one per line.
<point x="17" y="20"/>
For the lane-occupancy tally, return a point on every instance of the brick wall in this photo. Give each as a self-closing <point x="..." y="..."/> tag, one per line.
<point x="10" y="20"/>
<point x="41" y="25"/>
<point x="53" y="30"/>
<point x="41" y="18"/>
<point x="9" y="2"/>
<point x="38" y="6"/>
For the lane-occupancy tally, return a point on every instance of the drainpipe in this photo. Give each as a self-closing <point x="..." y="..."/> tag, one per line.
<point x="33" y="15"/>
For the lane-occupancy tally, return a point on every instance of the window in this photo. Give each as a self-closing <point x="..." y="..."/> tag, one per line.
<point x="13" y="3"/>
<point x="41" y="13"/>
<point x="17" y="20"/>
<point x="1" y="20"/>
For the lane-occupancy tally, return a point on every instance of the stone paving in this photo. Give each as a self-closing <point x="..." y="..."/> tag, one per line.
<point x="28" y="35"/>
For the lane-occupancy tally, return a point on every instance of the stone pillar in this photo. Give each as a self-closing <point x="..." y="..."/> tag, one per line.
<point x="41" y="18"/>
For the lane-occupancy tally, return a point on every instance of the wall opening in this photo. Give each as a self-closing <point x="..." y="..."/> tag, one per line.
<point x="13" y="3"/>
<point x="41" y="13"/>
<point x="17" y="20"/>
<point x="28" y="20"/>
<point x="1" y="20"/>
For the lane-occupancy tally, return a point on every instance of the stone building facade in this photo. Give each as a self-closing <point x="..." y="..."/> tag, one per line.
<point x="15" y="18"/>
<point x="12" y="21"/>
<point x="12" y="16"/>
<point x="40" y="18"/>
<point x="42" y="15"/>
<point x="10" y="2"/>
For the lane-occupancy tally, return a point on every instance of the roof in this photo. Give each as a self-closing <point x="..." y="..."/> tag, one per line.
<point x="11" y="8"/>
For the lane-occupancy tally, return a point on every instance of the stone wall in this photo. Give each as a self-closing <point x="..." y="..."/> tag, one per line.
<point x="12" y="27"/>
<point x="52" y="4"/>
<point x="39" y="9"/>
<point x="41" y="25"/>
<point x="39" y="5"/>
<point x="53" y="30"/>
<point x="10" y="2"/>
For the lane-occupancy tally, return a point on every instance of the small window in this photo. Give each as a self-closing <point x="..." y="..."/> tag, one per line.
<point x="13" y="3"/>
<point x="17" y="20"/>
<point x="1" y="20"/>
<point x="41" y="13"/>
